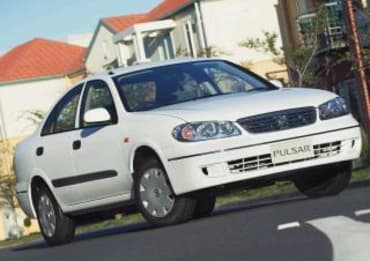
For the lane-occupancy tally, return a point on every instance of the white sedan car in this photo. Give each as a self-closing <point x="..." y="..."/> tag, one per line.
<point x="164" y="137"/>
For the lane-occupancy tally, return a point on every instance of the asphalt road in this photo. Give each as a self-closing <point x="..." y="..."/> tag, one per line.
<point x="287" y="228"/>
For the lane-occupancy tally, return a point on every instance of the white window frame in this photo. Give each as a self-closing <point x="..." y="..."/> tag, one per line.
<point x="189" y="38"/>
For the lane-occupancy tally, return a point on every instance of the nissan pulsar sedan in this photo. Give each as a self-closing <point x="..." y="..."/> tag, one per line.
<point x="163" y="138"/>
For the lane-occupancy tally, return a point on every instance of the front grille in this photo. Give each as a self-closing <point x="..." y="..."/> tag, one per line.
<point x="327" y="149"/>
<point x="279" y="120"/>
<point x="264" y="161"/>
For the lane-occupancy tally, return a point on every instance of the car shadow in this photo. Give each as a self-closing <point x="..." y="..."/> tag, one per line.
<point x="223" y="210"/>
<point x="360" y="184"/>
<point x="274" y="200"/>
<point x="143" y="226"/>
<point x="131" y="228"/>
<point x="259" y="203"/>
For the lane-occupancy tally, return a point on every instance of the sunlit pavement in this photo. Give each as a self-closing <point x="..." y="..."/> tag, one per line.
<point x="286" y="228"/>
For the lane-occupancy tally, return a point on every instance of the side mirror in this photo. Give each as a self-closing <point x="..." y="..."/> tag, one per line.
<point x="98" y="115"/>
<point x="277" y="83"/>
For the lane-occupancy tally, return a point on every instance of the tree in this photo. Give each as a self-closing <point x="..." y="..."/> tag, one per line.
<point x="34" y="117"/>
<point x="358" y="29"/>
<point x="299" y="59"/>
<point x="7" y="179"/>
<point x="210" y="51"/>
<point x="7" y="176"/>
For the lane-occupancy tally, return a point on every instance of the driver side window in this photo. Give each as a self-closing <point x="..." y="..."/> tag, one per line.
<point x="97" y="95"/>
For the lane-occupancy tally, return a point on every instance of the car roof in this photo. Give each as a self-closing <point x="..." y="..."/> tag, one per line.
<point x="150" y="65"/>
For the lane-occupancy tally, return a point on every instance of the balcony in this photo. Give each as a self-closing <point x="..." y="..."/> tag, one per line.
<point x="332" y="35"/>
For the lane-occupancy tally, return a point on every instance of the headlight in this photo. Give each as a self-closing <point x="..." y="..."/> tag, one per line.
<point x="205" y="130"/>
<point x="333" y="108"/>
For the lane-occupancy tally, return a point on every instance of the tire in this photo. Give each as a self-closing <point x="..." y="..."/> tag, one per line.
<point x="155" y="198"/>
<point x="325" y="180"/>
<point x="206" y="202"/>
<point x="55" y="226"/>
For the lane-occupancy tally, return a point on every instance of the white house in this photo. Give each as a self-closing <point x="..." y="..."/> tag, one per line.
<point x="178" y="28"/>
<point x="33" y="75"/>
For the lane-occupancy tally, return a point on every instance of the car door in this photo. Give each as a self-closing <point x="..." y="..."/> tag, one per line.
<point x="99" y="154"/>
<point x="54" y="148"/>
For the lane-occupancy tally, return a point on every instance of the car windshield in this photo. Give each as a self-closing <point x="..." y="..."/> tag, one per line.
<point x="173" y="84"/>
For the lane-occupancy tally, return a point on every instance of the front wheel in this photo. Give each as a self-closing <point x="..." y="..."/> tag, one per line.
<point x="55" y="226"/>
<point x="206" y="202"/>
<point x="155" y="198"/>
<point x="324" y="180"/>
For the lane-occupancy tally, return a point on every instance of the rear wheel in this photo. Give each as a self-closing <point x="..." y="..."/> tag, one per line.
<point x="155" y="198"/>
<point x="55" y="226"/>
<point x="325" y="180"/>
<point x="206" y="202"/>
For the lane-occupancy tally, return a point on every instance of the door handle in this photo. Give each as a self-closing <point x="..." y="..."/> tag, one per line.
<point x="76" y="145"/>
<point x="39" y="151"/>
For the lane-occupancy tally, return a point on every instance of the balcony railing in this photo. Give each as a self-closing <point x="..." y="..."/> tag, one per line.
<point x="333" y="35"/>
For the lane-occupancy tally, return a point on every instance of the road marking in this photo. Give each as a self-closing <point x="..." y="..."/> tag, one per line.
<point x="362" y="212"/>
<point x="288" y="225"/>
<point x="349" y="238"/>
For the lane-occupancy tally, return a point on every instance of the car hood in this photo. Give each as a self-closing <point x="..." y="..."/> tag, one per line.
<point x="234" y="106"/>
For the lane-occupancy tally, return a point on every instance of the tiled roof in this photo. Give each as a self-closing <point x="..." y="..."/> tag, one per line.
<point x="166" y="7"/>
<point x="40" y="58"/>
<point x="120" y="23"/>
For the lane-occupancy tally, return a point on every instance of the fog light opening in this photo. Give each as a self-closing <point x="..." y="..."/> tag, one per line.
<point x="205" y="171"/>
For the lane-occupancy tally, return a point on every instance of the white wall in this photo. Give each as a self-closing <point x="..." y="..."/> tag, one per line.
<point x="102" y="52"/>
<point x="228" y="22"/>
<point x="19" y="98"/>
<point x="127" y="53"/>
<point x="179" y="33"/>
<point x="11" y="223"/>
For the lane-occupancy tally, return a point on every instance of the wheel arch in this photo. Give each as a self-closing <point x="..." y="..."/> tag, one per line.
<point x="144" y="151"/>
<point x="35" y="183"/>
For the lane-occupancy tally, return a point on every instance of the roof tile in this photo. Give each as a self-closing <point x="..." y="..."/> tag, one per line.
<point x="120" y="23"/>
<point x="166" y="7"/>
<point x="40" y="58"/>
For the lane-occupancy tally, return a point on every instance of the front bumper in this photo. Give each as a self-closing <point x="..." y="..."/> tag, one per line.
<point x="24" y="199"/>
<point x="226" y="165"/>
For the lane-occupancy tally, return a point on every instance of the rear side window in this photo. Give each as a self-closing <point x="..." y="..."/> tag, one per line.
<point x="63" y="116"/>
